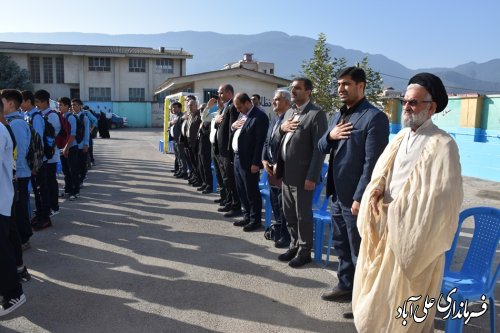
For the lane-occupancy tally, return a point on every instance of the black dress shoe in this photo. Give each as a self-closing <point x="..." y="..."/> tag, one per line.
<point x="186" y="177"/>
<point x="224" y="203"/>
<point x="224" y="209"/>
<point x="207" y="190"/>
<point x="241" y="223"/>
<point x="201" y="188"/>
<point x="336" y="294"/>
<point x="299" y="261"/>
<point x="233" y="213"/>
<point x="348" y="315"/>
<point x="282" y="243"/>
<point x="218" y="200"/>
<point x="181" y="175"/>
<point x="252" y="226"/>
<point x="288" y="255"/>
<point x="197" y="184"/>
<point x="192" y="180"/>
<point x="173" y="170"/>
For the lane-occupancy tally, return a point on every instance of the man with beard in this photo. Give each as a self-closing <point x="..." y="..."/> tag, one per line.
<point x="355" y="139"/>
<point x="299" y="166"/>
<point x="408" y="216"/>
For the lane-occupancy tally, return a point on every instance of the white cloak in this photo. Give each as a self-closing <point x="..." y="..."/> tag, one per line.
<point x="402" y="249"/>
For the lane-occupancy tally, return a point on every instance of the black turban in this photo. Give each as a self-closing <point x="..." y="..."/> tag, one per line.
<point x="434" y="86"/>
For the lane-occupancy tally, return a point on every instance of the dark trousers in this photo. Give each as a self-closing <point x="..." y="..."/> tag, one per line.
<point x="193" y="156"/>
<point x="184" y="146"/>
<point x="91" y="149"/>
<point x="346" y="241"/>
<point x="280" y="227"/>
<point x="180" y="157"/>
<point x="297" y="206"/>
<point x="205" y="161"/>
<point x="41" y="191"/>
<point x="70" y="167"/>
<point x="53" y="186"/>
<point x="218" y="174"/>
<point x="20" y="210"/>
<point x="9" y="282"/>
<point x="227" y="172"/>
<point x="82" y="157"/>
<point x="247" y="185"/>
<point x="15" y="241"/>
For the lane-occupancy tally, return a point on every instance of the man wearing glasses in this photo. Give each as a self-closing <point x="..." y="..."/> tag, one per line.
<point x="408" y="215"/>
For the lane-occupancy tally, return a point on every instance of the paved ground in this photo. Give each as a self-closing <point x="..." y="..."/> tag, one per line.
<point x="143" y="252"/>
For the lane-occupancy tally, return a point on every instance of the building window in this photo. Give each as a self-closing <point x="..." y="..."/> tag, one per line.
<point x="209" y="93"/>
<point x="100" y="94"/>
<point x="48" y="68"/>
<point x="165" y="66"/>
<point x="271" y="71"/>
<point x="136" y="94"/>
<point x="59" y="70"/>
<point x="137" y="65"/>
<point x="34" y="69"/>
<point x="98" y="64"/>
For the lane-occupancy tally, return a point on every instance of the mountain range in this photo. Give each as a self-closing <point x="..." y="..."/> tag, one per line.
<point x="212" y="50"/>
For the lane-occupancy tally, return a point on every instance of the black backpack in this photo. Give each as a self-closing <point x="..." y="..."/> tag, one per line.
<point x="80" y="128"/>
<point x="49" y="136"/>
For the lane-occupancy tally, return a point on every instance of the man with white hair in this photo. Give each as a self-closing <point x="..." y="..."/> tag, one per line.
<point x="408" y="217"/>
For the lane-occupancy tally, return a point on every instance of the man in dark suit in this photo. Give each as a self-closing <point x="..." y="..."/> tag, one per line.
<point x="278" y="231"/>
<point x="299" y="165"/>
<point x="356" y="137"/>
<point x="249" y="134"/>
<point x="193" y="127"/>
<point x="205" y="152"/>
<point x="175" y="132"/>
<point x="227" y="115"/>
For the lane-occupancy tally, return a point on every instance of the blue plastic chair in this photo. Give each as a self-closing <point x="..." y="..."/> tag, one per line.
<point x="476" y="276"/>
<point x="322" y="218"/>
<point x="161" y="147"/>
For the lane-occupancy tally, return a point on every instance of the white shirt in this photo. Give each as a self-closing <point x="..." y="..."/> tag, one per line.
<point x="407" y="157"/>
<point x="234" y="143"/>
<point x="298" y="113"/>
<point x="6" y="165"/>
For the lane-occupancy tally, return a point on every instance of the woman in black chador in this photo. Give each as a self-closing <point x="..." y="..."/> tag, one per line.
<point x="102" y="126"/>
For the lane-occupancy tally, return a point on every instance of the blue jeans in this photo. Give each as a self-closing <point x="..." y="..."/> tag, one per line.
<point x="346" y="241"/>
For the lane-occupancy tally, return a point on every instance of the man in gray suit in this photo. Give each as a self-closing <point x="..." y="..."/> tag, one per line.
<point x="299" y="165"/>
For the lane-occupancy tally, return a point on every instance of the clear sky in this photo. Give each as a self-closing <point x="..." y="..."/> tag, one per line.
<point x="418" y="33"/>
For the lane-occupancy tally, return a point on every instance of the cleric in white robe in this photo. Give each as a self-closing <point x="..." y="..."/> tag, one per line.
<point x="408" y="217"/>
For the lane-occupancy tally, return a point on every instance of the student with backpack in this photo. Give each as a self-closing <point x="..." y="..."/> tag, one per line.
<point x="10" y="286"/>
<point x="11" y="100"/>
<point x="92" y="128"/>
<point x="69" y="156"/>
<point x="83" y="146"/>
<point x="41" y="218"/>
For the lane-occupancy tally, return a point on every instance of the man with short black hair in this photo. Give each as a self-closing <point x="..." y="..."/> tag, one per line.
<point x="11" y="100"/>
<point x="299" y="165"/>
<point x="356" y="137"/>
<point x="10" y="287"/>
<point x="69" y="157"/>
<point x="83" y="146"/>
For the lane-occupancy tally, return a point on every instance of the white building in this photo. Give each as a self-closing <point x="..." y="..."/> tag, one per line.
<point x="249" y="63"/>
<point x="206" y="84"/>
<point x="97" y="73"/>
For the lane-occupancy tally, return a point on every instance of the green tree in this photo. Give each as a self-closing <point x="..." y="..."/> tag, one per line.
<point x="320" y="70"/>
<point x="374" y="84"/>
<point x="12" y="76"/>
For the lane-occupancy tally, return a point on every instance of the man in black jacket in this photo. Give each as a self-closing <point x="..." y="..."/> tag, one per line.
<point x="226" y="116"/>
